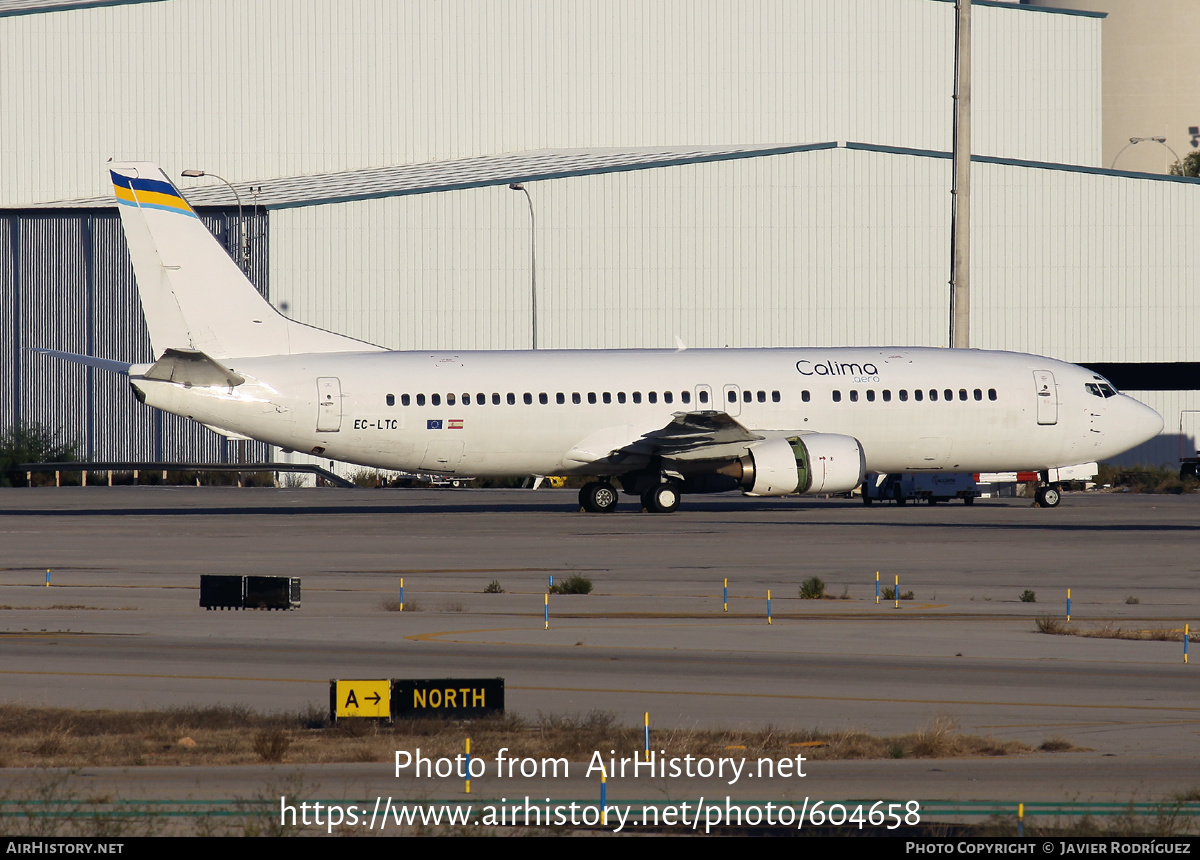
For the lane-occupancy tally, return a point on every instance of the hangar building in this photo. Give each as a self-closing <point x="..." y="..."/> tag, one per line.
<point x="728" y="172"/>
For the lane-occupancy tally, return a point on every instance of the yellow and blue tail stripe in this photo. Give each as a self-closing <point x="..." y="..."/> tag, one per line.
<point x="149" y="194"/>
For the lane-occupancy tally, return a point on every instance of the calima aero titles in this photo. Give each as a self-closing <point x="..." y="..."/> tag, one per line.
<point x="655" y="423"/>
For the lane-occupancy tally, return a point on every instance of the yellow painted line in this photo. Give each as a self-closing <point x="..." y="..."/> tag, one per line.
<point x="868" y="699"/>
<point x="324" y="682"/>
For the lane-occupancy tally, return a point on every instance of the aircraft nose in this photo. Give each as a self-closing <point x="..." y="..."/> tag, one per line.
<point x="1139" y="423"/>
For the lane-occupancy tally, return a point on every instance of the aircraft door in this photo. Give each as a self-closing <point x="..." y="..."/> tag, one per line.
<point x="1047" y="397"/>
<point x="329" y="404"/>
<point x="732" y="400"/>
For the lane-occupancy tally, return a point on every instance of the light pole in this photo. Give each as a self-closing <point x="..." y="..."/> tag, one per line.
<point x="1135" y="140"/>
<point x="243" y="248"/>
<point x="517" y="186"/>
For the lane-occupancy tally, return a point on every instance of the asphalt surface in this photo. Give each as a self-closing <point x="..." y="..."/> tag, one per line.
<point x="652" y="636"/>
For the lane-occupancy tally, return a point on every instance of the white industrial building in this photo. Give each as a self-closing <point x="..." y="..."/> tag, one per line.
<point x="725" y="172"/>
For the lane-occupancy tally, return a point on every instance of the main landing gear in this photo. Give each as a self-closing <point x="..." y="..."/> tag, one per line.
<point x="600" y="497"/>
<point x="661" y="499"/>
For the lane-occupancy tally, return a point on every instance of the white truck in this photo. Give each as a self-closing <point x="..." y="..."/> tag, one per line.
<point x="932" y="487"/>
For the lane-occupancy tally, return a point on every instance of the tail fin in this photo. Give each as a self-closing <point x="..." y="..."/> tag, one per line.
<point x="193" y="294"/>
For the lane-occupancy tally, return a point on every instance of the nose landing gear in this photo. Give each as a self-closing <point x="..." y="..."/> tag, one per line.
<point x="1047" y="497"/>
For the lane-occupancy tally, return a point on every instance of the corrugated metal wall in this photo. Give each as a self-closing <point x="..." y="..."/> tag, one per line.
<point x="834" y="246"/>
<point x="66" y="283"/>
<point x="264" y="88"/>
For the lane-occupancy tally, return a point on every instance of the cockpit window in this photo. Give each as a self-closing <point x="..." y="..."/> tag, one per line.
<point x="1107" y="389"/>
<point x="1100" y="389"/>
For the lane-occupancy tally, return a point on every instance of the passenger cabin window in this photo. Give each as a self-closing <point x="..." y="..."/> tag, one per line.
<point x="449" y="399"/>
<point x="620" y="396"/>
<point x="933" y="394"/>
<point x="575" y="397"/>
<point x="560" y="398"/>
<point x="903" y="395"/>
<point x="420" y="399"/>
<point x="512" y="399"/>
<point x="887" y="396"/>
<point x="607" y="396"/>
<point x="962" y="394"/>
<point x="652" y="396"/>
<point x="637" y="397"/>
<point x="853" y="395"/>
<point x="804" y="395"/>
<point x="775" y="396"/>
<point x="405" y="400"/>
<point x="435" y="399"/>
<point x="543" y="399"/>
<point x="667" y="397"/>
<point x="978" y="394"/>
<point x="703" y="396"/>
<point x="991" y="394"/>
<point x="391" y="400"/>
<point x="591" y="397"/>
<point x="871" y="395"/>
<point x="528" y="398"/>
<point x="837" y="396"/>
<point x="685" y="397"/>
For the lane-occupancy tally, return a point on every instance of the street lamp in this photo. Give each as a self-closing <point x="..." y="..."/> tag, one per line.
<point x="244" y="249"/>
<point x="1136" y="140"/>
<point x="517" y="186"/>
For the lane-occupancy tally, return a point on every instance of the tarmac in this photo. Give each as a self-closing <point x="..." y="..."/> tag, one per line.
<point x="119" y="626"/>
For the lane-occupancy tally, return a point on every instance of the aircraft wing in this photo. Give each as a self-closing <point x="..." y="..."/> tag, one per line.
<point x="695" y="431"/>
<point x="708" y="435"/>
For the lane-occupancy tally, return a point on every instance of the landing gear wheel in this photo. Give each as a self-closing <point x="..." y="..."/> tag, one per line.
<point x="968" y="500"/>
<point x="663" y="499"/>
<point x="898" y="495"/>
<point x="866" y="499"/>
<point x="598" y="497"/>
<point x="1047" y="497"/>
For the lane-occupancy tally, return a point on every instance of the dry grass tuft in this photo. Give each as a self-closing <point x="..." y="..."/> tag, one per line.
<point x="230" y="736"/>
<point x="1057" y="744"/>
<point x="1059" y="627"/>
<point x="272" y="745"/>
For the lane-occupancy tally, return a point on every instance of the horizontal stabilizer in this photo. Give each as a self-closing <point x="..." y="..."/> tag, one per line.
<point x="108" y="364"/>
<point x="192" y="367"/>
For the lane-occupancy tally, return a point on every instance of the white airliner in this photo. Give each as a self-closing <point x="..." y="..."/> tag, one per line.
<point x="657" y="422"/>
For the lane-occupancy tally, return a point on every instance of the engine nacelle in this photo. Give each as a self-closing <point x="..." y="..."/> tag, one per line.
<point x="813" y="463"/>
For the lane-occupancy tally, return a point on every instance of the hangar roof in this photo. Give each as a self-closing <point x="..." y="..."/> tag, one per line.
<point x="374" y="183"/>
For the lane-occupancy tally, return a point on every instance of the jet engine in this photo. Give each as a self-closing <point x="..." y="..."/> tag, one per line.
<point x="813" y="463"/>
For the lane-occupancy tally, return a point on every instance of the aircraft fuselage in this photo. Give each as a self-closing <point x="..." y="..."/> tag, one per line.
<point x="566" y="412"/>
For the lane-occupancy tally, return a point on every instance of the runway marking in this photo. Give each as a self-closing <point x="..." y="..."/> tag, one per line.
<point x="324" y="682"/>
<point x="861" y="699"/>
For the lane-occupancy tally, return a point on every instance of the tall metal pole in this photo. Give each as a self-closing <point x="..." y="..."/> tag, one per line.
<point x="516" y="186"/>
<point x="244" y="247"/>
<point x="960" y="212"/>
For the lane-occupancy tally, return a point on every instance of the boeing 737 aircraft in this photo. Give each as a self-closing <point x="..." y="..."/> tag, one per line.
<point x="658" y="423"/>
